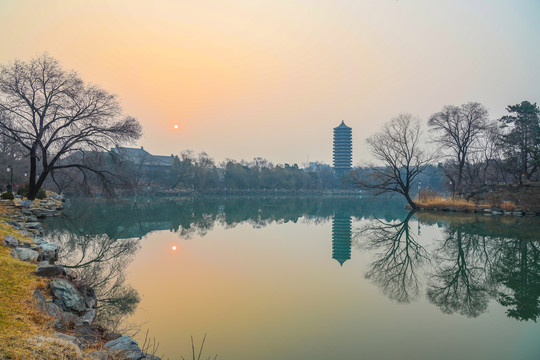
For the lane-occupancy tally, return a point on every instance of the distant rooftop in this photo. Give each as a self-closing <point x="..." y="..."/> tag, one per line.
<point x="139" y="155"/>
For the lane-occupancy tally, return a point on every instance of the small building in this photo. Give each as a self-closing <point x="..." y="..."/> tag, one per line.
<point x="143" y="159"/>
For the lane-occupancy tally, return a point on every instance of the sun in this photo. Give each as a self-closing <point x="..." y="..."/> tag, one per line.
<point x="173" y="248"/>
<point x="176" y="126"/>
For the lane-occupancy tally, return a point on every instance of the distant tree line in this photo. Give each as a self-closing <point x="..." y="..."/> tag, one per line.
<point x="200" y="173"/>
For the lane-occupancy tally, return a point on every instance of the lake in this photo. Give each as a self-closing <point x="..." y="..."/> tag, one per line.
<point x="309" y="278"/>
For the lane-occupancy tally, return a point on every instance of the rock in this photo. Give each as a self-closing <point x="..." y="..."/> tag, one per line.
<point x="125" y="348"/>
<point x="90" y="297"/>
<point x="151" y="357"/>
<point x="26" y="203"/>
<point x="68" y="338"/>
<point x="87" y="335"/>
<point x="38" y="241"/>
<point x="32" y="225"/>
<point x="16" y="225"/>
<point x="53" y="310"/>
<point x="487" y="211"/>
<point x="530" y="213"/>
<point x="11" y="241"/>
<point x="496" y="212"/>
<point x="48" y="257"/>
<point x="39" y="213"/>
<point x="67" y="297"/>
<point x="58" y="325"/>
<point x="97" y="355"/>
<point x="48" y="308"/>
<point x="44" y="269"/>
<point x="48" y="247"/>
<point x="517" y="213"/>
<point x="24" y="254"/>
<point x="49" y="252"/>
<point x="40" y="299"/>
<point x="89" y="316"/>
<point x="112" y="336"/>
<point x="70" y="320"/>
<point x="31" y="218"/>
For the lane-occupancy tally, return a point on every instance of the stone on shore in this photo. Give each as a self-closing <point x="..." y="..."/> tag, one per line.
<point x="89" y="317"/>
<point x="11" y="241"/>
<point x="97" y="355"/>
<point x="125" y="348"/>
<point x="67" y="297"/>
<point x="44" y="269"/>
<point x="49" y="252"/>
<point x="89" y="295"/>
<point x="38" y="241"/>
<point x="87" y="335"/>
<point x="68" y="338"/>
<point x="26" y="203"/>
<point x="24" y="254"/>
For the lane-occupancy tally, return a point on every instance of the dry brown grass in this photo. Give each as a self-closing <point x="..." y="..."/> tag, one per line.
<point x="445" y="203"/>
<point x="429" y="199"/>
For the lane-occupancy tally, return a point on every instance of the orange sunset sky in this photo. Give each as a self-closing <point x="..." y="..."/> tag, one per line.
<point x="271" y="78"/>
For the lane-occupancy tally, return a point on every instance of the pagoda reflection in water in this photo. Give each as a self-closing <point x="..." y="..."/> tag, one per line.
<point x="341" y="237"/>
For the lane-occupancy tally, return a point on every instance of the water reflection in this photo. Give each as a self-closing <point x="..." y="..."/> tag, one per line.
<point x="100" y="262"/>
<point x="519" y="272"/>
<point x="397" y="259"/>
<point x="467" y="262"/>
<point x="135" y="219"/>
<point x="341" y="237"/>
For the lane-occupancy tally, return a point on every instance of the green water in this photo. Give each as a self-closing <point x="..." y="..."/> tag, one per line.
<point x="311" y="278"/>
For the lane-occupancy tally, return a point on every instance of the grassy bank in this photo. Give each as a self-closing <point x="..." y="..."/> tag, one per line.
<point x="24" y="333"/>
<point x="19" y="317"/>
<point x="502" y="198"/>
<point x="457" y="204"/>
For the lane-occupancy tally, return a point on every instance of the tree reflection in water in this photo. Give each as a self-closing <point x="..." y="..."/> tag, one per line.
<point x="519" y="272"/>
<point x="460" y="281"/>
<point x="478" y="259"/>
<point x="100" y="262"/>
<point x="398" y="258"/>
<point x="483" y="258"/>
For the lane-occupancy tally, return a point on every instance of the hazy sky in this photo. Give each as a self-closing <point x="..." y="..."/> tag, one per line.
<point x="271" y="78"/>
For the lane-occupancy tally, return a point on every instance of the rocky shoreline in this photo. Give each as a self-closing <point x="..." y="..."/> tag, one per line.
<point x="71" y="305"/>
<point x="493" y="211"/>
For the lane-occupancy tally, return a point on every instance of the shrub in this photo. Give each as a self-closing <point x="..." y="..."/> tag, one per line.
<point x="7" y="196"/>
<point x="426" y="195"/>
<point x="23" y="190"/>
<point x="42" y="194"/>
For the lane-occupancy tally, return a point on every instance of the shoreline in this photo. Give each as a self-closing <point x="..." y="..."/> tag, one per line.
<point x="65" y="309"/>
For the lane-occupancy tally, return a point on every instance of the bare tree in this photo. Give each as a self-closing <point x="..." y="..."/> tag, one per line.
<point x="458" y="128"/>
<point x="53" y="114"/>
<point x="398" y="147"/>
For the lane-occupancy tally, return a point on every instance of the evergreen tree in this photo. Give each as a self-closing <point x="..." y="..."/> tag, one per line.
<point x="522" y="141"/>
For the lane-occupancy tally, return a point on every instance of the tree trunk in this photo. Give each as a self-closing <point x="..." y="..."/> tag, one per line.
<point x="33" y="191"/>
<point x="410" y="201"/>
<point x="32" y="180"/>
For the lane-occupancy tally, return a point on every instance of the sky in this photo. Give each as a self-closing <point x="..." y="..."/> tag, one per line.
<point x="271" y="78"/>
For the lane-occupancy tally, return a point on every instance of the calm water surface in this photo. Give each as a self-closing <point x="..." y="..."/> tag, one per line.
<point x="312" y="278"/>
